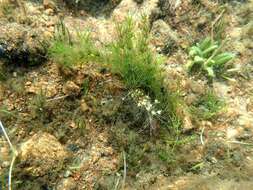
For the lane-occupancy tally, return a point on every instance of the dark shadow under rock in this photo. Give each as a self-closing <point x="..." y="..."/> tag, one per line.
<point x="21" y="45"/>
<point x="93" y="7"/>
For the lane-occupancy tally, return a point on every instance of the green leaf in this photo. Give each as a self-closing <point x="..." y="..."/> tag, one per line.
<point x="198" y="59"/>
<point x="223" y="58"/>
<point x="210" y="50"/>
<point x="189" y="65"/>
<point x="206" y="43"/>
<point x="195" y="51"/>
<point x="210" y="63"/>
<point x="210" y="71"/>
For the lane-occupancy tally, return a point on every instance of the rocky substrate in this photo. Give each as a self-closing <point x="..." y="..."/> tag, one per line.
<point x="72" y="127"/>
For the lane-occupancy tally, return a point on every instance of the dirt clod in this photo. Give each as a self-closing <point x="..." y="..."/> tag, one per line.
<point x="41" y="154"/>
<point x="70" y="88"/>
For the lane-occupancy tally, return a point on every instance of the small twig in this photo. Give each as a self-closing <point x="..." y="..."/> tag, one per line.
<point x="201" y="136"/>
<point x="125" y="170"/>
<point x="57" y="98"/>
<point x="14" y="152"/>
<point x="7" y="137"/>
<point x="10" y="170"/>
<point x="242" y="143"/>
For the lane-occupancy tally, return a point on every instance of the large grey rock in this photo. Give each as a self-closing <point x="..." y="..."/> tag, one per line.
<point x="163" y="36"/>
<point x="20" y="44"/>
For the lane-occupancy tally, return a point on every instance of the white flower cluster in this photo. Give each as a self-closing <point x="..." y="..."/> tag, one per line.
<point x="144" y="101"/>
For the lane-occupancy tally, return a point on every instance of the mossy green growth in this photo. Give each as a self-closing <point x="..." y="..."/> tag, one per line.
<point x="68" y="52"/>
<point x="207" y="57"/>
<point x="208" y="106"/>
<point x="131" y="57"/>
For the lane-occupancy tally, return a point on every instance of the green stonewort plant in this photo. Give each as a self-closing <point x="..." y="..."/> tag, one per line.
<point x="207" y="57"/>
<point x="68" y="51"/>
<point x="131" y="57"/>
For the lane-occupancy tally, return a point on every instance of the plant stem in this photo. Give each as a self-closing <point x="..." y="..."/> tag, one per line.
<point x="10" y="170"/>
<point x="7" y="137"/>
<point x="125" y="170"/>
<point x="14" y="152"/>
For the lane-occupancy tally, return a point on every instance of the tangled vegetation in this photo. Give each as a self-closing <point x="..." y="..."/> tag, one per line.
<point x="129" y="56"/>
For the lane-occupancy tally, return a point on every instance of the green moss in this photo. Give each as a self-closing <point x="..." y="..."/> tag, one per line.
<point x="208" y="106"/>
<point x="129" y="56"/>
<point x="68" y="53"/>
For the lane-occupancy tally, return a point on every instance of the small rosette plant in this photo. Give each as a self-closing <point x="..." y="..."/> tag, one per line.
<point x="207" y="57"/>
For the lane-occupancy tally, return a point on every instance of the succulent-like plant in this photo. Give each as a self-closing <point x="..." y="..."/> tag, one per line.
<point x="207" y="56"/>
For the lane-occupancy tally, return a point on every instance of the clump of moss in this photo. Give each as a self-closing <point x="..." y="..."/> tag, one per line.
<point x="208" y="106"/>
<point x="67" y="53"/>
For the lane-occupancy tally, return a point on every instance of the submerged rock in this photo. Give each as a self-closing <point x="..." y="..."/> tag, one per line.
<point x="49" y="4"/>
<point x="71" y="89"/>
<point x="41" y="154"/>
<point x="164" y="38"/>
<point x="19" y="44"/>
<point x="66" y="184"/>
<point x="93" y="7"/>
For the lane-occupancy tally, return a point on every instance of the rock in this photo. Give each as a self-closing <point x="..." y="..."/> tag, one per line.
<point x="163" y="35"/>
<point x="42" y="154"/>
<point x="93" y="7"/>
<point x="198" y="87"/>
<point x="49" y="89"/>
<point x="49" y="4"/>
<point x="245" y="120"/>
<point x="187" y="123"/>
<point x="70" y="88"/>
<point x="139" y="1"/>
<point x="66" y="184"/>
<point x="22" y="44"/>
<point x="84" y="107"/>
<point x="4" y="153"/>
<point x="190" y="99"/>
<point x="233" y="133"/>
<point x="49" y="12"/>
<point x="130" y="7"/>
